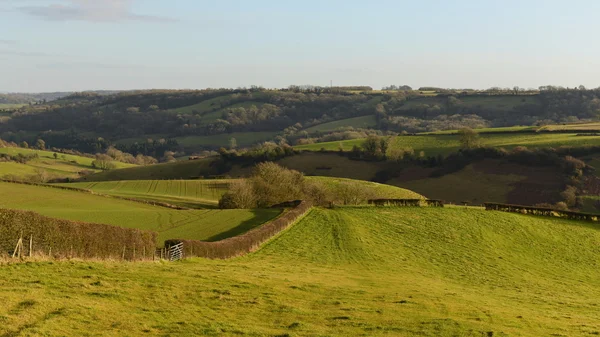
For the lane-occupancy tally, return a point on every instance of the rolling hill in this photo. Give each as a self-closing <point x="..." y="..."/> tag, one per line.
<point x="207" y="224"/>
<point x="444" y="144"/>
<point x="343" y="272"/>
<point x="186" y="193"/>
<point x="61" y="166"/>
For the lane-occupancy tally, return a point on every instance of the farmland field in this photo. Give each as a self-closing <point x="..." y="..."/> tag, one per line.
<point x="188" y="193"/>
<point x="65" y="165"/>
<point x="444" y="144"/>
<point x="486" y="181"/>
<point x="573" y="127"/>
<point x="343" y="272"/>
<point x="355" y="122"/>
<point x="500" y="102"/>
<point x="5" y="106"/>
<point x="170" y="224"/>
<point x="242" y="139"/>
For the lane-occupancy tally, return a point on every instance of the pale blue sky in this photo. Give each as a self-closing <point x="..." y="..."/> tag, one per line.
<point x="56" y="45"/>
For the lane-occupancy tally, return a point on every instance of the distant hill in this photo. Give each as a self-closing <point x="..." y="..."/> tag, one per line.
<point x="189" y="119"/>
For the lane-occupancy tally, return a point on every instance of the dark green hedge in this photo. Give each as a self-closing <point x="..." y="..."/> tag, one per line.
<point x="69" y="239"/>
<point x="541" y="211"/>
<point x="407" y="202"/>
<point x="242" y="244"/>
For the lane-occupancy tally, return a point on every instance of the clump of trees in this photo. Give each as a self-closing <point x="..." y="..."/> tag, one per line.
<point x="469" y="138"/>
<point x="271" y="184"/>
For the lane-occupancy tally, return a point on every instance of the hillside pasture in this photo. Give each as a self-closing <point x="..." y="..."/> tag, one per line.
<point x="10" y="106"/>
<point x="362" y="122"/>
<point x="343" y="272"/>
<point x="594" y="126"/>
<point x="187" y="169"/>
<point x="170" y="224"/>
<point x="486" y="181"/>
<point x="243" y="139"/>
<point x="498" y="102"/>
<point x="187" y="193"/>
<point x="433" y="145"/>
<point x="64" y="165"/>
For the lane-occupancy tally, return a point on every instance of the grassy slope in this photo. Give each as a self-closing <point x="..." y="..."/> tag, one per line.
<point x="66" y="166"/>
<point x="343" y="272"/>
<point x="243" y="139"/>
<point x="387" y="191"/>
<point x="444" y="144"/>
<point x="196" y="224"/>
<point x="355" y="122"/>
<point x="177" y="170"/>
<point x="481" y="187"/>
<point x="189" y="193"/>
<point x="502" y="103"/>
<point x="579" y="126"/>
<point x="196" y="143"/>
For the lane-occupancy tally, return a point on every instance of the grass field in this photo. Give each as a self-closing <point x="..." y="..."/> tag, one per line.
<point x="486" y="130"/>
<point x="342" y="272"/>
<point x="355" y="122"/>
<point x="65" y="165"/>
<point x="187" y="193"/>
<point x="444" y="144"/>
<point x="170" y="224"/>
<point x="243" y="139"/>
<point x="5" y="106"/>
<point x="202" y="107"/>
<point x="383" y="190"/>
<point x="481" y="187"/>
<point x="196" y="143"/>
<point x="504" y="103"/>
<point x="572" y="127"/>
<point x="178" y="170"/>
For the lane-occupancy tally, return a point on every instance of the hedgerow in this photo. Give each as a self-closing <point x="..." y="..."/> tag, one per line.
<point x="59" y="238"/>
<point x="245" y="243"/>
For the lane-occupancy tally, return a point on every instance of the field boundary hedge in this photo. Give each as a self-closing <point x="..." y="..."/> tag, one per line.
<point x="245" y="243"/>
<point x="542" y="212"/>
<point x="83" y="190"/>
<point x="407" y="202"/>
<point x="58" y="238"/>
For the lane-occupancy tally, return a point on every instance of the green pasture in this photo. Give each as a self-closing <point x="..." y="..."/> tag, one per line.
<point x="444" y="144"/>
<point x="177" y="170"/>
<point x="188" y="193"/>
<point x="363" y="122"/>
<point x="342" y="272"/>
<point x="170" y="224"/>
<point x="64" y="165"/>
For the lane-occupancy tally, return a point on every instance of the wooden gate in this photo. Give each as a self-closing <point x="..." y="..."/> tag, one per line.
<point x="175" y="252"/>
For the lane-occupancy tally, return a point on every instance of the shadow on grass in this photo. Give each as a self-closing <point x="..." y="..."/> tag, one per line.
<point x="261" y="216"/>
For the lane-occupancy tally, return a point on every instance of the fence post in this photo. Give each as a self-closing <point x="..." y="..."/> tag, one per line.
<point x="18" y="248"/>
<point x="31" y="245"/>
<point x="123" y="252"/>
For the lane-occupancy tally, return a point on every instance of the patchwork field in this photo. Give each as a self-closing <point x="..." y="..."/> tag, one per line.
<point x="342" y="272"/>
<point x="356" y="122"/>
<point x="433" y="145"/>
<point x="500" y="102"/>
<point x="573" y="127"/>
<point x="186" y="169"/>
<point x="170" y="224"/>
<point x="64" y="165"/>
<point x="187" y="193"/>
<point x="486" y="181"/>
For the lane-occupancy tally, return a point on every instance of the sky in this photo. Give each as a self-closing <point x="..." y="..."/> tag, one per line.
<point x="75" y="45"/>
